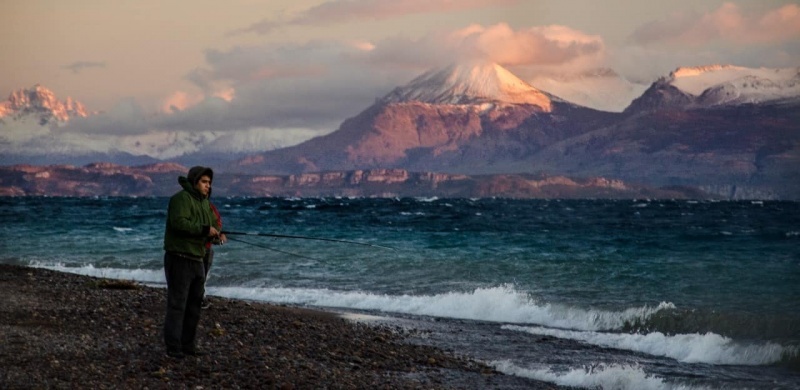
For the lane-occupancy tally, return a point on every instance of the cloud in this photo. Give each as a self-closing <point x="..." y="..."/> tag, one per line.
<point x="253" y="63"/>
<point x="332" y="12"/>
<point x="126" y="117"/>
<point x="78" y="66"/>
<point x="317" y="85"/>
<point x="534" y="47"/>
<point x="314" y="85"/>
<point x="727" y="25"/>
<point x="179" y="101"/>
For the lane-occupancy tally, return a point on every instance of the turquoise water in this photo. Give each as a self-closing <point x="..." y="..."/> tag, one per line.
<point x="655" y="294"/>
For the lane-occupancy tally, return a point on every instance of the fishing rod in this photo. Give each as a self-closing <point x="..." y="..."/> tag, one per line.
<point x="272" y="249"/>
<point x="305" y="238"/>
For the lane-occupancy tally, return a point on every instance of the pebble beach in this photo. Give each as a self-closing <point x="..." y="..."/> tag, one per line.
<point x="61" y="330"/>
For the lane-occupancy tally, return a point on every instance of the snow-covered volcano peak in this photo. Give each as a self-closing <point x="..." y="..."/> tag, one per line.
<point x="469" y="83"/>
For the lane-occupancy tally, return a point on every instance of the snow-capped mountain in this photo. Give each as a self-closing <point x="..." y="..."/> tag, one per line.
<point x="720" y="85"/>
<point x="33" y="129"/>
<point x="42" y="104"/>
<point x="38" y="128"/>
<point x="726" y="126"/>
<point x="727" y="84"/>
<point x="600" y="89"/>
<point x="470" y="117"/>
<point x="469" y="83"/>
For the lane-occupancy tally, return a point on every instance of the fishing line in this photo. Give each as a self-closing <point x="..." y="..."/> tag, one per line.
<point x="228" y="233"/>
<point x="272" y="249"/>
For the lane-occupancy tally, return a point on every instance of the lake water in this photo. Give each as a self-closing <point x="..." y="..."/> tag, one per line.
<point x="631" y="294"/>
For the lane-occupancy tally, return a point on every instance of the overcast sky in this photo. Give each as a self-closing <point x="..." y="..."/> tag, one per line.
<point x="300" y="65"/>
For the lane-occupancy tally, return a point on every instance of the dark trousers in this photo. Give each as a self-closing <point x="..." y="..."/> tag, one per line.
<point x="185" y="288"/>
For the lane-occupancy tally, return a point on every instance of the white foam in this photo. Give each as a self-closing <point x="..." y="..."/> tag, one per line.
<point x="427" y="199"/>
<point x="708" y="348"/>
<point x="496" y="304"/>
<point x="407" y="213"/>
<point x="603" y="376"/>
<point x="139" y="275"/>
<point x="123" y="229"/>
<point x="358" y="317"/>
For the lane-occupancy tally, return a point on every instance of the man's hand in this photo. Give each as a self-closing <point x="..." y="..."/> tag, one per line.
<point x="213" y="232"/>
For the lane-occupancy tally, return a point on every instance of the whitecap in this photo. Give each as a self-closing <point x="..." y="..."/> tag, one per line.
<point x="707" y="348"/>
<point x="427" y="199"/>
<point x="493" y="304"/>
<point x="138" y="275"/>
<point x="602" y="376"/>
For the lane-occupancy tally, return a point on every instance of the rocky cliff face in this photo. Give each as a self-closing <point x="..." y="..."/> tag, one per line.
<point x="105" y="179"/>
<point x="97" y="179"/>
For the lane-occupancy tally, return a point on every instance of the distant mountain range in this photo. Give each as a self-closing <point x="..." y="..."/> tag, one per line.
<point x="731" y="131"/>
<point x="727" y="131"/>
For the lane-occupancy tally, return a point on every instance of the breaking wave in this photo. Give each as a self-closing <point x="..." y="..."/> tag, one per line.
<point x="139" y="275"/>
<point x="495" y="304"/>
<point x="688" y="348"/>
<point x="603" y="376"/>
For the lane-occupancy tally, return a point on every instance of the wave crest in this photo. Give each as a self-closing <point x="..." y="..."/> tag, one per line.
<point x="494" y="304"/>
<point x="708" y="348"/>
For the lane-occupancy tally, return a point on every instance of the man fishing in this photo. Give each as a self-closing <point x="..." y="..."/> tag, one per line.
<point x="191" y="223"/>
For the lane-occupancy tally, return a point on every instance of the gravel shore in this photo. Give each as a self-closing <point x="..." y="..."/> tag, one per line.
<point x="60" y="330"/>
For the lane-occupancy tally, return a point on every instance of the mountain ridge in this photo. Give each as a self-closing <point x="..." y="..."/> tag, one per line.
<point x="481" y="121"/>
<point x="720" y="85"/>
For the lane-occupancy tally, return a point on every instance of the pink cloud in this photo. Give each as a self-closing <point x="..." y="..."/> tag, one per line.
<point x="316" y="84"/>
<point x="331" y="12"/>
<point x="179" y="101"/>
<point x="727" y="24"/>
<point x="500" y="43"/>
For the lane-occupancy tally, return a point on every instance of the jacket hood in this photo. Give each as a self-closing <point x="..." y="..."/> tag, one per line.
<point x="195" y="173"/>
<point x="189" y="187"/>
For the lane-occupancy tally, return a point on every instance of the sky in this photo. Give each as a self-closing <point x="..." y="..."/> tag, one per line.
<point x="296" y="68"/>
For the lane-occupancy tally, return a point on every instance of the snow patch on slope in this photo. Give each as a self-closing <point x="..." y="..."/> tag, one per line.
<point x="727" y="84"/>
<point x="27" y="137"/>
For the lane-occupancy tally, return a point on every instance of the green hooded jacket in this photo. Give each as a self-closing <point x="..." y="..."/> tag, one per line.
<point x="189" y="218"/>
